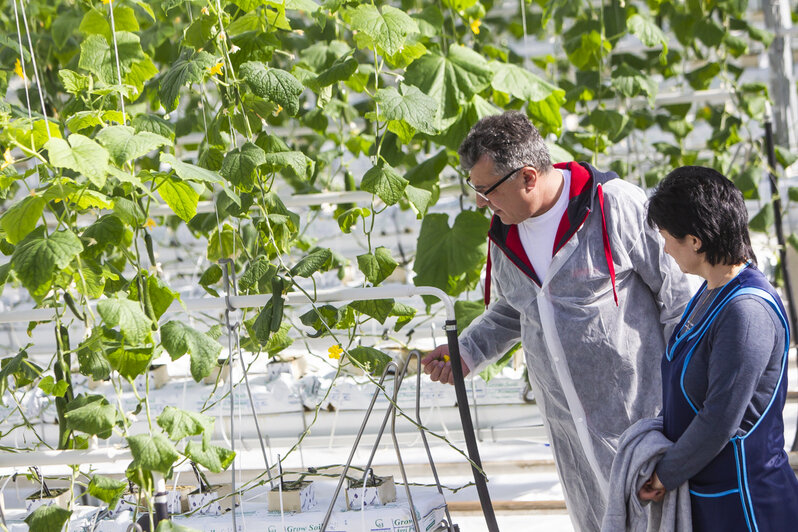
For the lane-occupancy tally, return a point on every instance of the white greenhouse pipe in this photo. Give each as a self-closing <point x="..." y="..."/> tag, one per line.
<point x="239" y="302"/>
<point x="295" y="200"/>
<point x="65" y="457"/>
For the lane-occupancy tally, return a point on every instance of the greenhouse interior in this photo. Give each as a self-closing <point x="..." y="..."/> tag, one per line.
<point x="240" y="240"/>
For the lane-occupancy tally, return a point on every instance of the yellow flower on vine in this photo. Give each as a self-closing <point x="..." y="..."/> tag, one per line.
<point x="18" y="69"/>
<point x="150" y="224"/>
<point x="7" y="159"/>
<point x="107" y="1"/>
<point x="216" y="69"/>
<point x="205" y="10"/>
<point x="335" y="351"/>
<point x="475" y="24"/>
<point x="446" y="358"/>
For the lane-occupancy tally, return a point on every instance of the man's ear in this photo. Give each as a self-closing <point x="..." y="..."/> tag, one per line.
<point x="530" y="177"/>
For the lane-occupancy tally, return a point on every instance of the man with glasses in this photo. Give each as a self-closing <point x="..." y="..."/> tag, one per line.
<point x="582" y="281"/>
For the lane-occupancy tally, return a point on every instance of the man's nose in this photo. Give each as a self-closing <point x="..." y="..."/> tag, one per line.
<point x="481" y="202"/>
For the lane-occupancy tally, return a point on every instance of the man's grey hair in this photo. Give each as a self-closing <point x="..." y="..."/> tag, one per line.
<point x="509" y="139"/>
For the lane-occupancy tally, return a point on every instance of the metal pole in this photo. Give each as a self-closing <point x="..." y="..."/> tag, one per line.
<point x="782" y="76"/>
<point x="777" y="221"/>
<point x="785" y="273"/>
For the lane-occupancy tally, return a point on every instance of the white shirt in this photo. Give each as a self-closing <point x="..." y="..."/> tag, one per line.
<point x="538" y="232"/>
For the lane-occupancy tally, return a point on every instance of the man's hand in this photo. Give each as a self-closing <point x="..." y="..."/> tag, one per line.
<point x="438" y="366"/>
<point x="652" y="490"/>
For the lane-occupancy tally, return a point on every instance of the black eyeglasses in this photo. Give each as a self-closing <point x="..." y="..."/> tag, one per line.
<point x="484" y="195"/>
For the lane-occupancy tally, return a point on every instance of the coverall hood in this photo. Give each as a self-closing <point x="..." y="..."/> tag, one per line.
<point x="593" y="330"/>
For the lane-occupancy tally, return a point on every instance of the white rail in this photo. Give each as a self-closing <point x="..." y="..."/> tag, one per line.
<point x="240" y="302"/>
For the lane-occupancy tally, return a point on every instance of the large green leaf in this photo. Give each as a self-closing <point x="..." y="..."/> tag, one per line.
<point x="631" y="82"/>
<point x="648" y="32"/>
<point x="153" y="124"/>
<point x="22" y="217"/>
<point x="107" y="489"/>
<point x="179" y="339"/>
<point x="224" y="244"/>
<point x="37" y="257"/>
<point x="701" y="78"/>
<point x="96" y="23"/>
<point x="180" y="423"/>
<point x="387" y="29"/>
<point x="134" y="325"/>
<point x="312" y="263"/>
<point x="372" y="359"/>
<point x="763" y="220"/>
<point x="257" y="277"/>
<point x="385" y="182"/>
<point x="298" y="162"/>
<point x="99" y="57"/>
<point x="348" y="218"/>
<point x="124" y="144"/>
<point x="522" y="84"/>
<point x="586" y="44"/>
<point x="426" y="174"/>
<point x="189" y="68"/>
<point x="47" y="518"/>
<point x="50" y="387"/>
<point x="404" y="315"/>
<point x="341" y="70"/>
<point x="216" y="459"/>
<point x="410" y="105"/>
<point x="379" y="309"/>
<point x="161" y="296"/>
<point x="24" y="371"/>
<point x="106" y="230"/>
<point x="377" y="266"/>
<point x="419" y="198"/>
<point x="467" y="311"/>
<point x="73" y="82"/>
<point x="450" y="80"/>
<point x="239" y="165"/>
<point x="273" y="84"/>
<point x="92" y="361"/>
<point x="152" y="452"/>
<point x="445" y="252"/>
<point x="190" y="172"/>
<point x="80" y="154"/>
<point x="180" y="196"/>
<point x="130" y="362"/>
<point x="91" y="414"/>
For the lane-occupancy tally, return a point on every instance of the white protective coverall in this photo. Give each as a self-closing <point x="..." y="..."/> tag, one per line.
<point x="593" y="331"/>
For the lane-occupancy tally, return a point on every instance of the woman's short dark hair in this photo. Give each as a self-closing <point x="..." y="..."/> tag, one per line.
<point x="699" y="201"/>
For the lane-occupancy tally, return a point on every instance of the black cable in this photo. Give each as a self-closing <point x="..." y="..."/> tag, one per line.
<point x="468" y="427"/>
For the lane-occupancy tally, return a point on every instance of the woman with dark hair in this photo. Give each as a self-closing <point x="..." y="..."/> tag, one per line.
<point x="724" y="370"/>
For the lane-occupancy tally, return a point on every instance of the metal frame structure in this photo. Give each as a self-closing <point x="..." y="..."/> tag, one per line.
<point x="231" y="303"/>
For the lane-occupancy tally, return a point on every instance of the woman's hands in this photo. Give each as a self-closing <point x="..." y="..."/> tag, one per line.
<point x="652" y="490"/>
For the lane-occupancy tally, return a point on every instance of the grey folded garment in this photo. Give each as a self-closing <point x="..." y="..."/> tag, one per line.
<point x="639" y="450"/>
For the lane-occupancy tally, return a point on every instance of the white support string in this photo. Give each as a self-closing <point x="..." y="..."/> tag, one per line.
<point x="118" y="67"/>
<point x="35" y="68"/>
<point x="24" y="73"/>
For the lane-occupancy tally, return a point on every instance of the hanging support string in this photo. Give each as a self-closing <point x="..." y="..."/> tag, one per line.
<point x="24" y="73"/>
<point x="230" y="355"/>
<point x="35" y="68"/>
<point x="118" y="67"/>
<point x="228" y="271"/>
